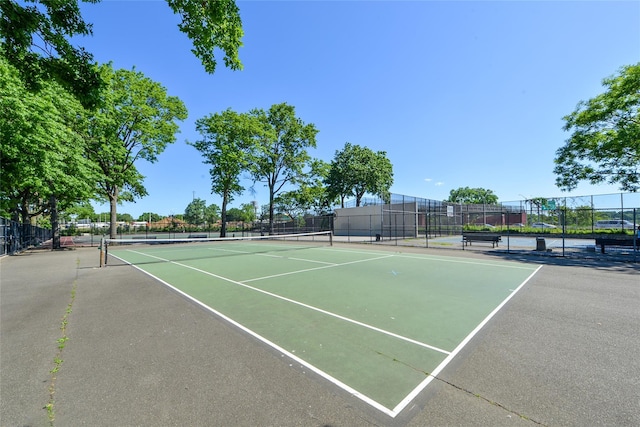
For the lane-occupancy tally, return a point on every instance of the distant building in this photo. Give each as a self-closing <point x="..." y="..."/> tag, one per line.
<point x="169" y="222"/>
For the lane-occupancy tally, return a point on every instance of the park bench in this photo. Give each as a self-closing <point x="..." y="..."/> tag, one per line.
<point x="198" y="236"/>
<point x="492" y="238"/>
<point x="617" y="241"/>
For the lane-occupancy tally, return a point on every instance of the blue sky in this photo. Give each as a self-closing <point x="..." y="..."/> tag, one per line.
<point x="457" y="93"/>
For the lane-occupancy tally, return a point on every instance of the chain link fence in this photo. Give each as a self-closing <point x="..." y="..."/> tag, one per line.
<point x="598" y="226"/>
<point x="16" y="237"/>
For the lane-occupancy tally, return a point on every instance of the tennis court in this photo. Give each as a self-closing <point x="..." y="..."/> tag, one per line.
<point x="379" y="325"/>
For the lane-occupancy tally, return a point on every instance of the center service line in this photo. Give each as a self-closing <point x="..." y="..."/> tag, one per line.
<point x="310" y="307"/>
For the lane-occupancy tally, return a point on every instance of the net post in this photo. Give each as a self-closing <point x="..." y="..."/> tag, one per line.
<point x="101" y="248"/>
<point x="330" y="238"/>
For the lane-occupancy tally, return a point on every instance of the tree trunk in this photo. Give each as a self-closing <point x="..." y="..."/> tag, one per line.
<point x="271" y="210"/>
<point x="223" y="215"/>
<point x="55" y="227"/>
<point x="113" y="217"/>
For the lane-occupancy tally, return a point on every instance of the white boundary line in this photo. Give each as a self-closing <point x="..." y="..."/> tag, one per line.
<point x="315" y="268"/>
<point x="404" y="402"/>
<point x="292" y="356"/>
<point x="310" y="307"/>
<point x="434" y="258"/>
<point x="460" y="346"/>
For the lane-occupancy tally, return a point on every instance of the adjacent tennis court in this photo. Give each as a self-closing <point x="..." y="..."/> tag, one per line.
<point x="380" y="325"/>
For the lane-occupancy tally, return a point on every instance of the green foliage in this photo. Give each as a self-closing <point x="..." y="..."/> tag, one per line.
<point x="580" y="216"/>
<point x="194" y="213"/>
<point x="234" y="214"/>
<point x="81" y="210"/>
<point x="358" y="170"/>
<point x="42" y="151"/>
<point x="212" y="213"/>
<point x="245" y="213"/>
<point x="136" y="121"/>
<point x="279" y="153"/>
<point x="35" y="40"/>
<point x="226" y="140"/>
<point x="314" y="190"/>
<point x="248" y="212"/>
<point x="472" y="196"/>
<point x="225" y="145"/>
<point x="102" y="217"/>
<point x="311" y="193"/>
<point x="125" y="217"/>
<point x="604" y="146"/>
<point x="149" y="217"/>
<point x="480" y="227"/>
<point x="211" y="24"/>
<point x="291" y="203"/>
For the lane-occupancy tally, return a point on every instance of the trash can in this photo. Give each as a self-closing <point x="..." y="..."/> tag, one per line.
<point x="541" y="245"/>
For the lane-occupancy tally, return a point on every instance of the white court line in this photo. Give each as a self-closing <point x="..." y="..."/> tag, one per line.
<point x="400" y="406"/>
<point x="310" y="307"/>
<point x="312" y="261"/>
<point x="484" y="264"/>
<point x="433" y="258"/>
<point x="268" y="254"/>
<point x="417" y="390"/>
<point x="315" y="268"/>
<point x="275" y="346"/>
<point x="274" y="256"/>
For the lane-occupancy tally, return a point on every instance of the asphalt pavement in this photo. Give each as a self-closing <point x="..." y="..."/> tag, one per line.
<point x="128" y="351"/>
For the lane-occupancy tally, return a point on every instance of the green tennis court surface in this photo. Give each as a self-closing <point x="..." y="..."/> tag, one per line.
<point x="379" y="325"/>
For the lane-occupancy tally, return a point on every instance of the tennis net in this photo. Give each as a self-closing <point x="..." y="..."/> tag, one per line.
<point x="198" y="246"/>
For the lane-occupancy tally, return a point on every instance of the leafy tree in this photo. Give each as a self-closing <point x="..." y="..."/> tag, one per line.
<point x="194" y="213"/>
<point x="279" y="154"/>
<point x="212" y="214"/>
<point x="211" y="25"/>
<point x="580" y="216"/>
<point x="225" y="144"/>
<point x="291" y="203"/>
<point x="43" y="164"/>
<point x="136" y="121"/>
<point x="311" y="193"/>
<point x="52" y="56"/>
<point x="314" y="190"/>
<point x="149" y="217"/>
<point x="125" y="217"/>
<point x="81" y="210"/>
<point x="244" y="213"/>
<point x="234" y="214"/>
<point x="605" y="142"/>
<point x="358" y="170"/>
<point x="35" y="38"/>
<point x="263" y="215"/>
<point x="248" y="212"/>
<point x="103" y="217"/>
<point x="472" y="196"/>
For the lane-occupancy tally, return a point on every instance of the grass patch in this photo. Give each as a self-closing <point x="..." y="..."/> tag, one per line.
<point x="57" y="360"/>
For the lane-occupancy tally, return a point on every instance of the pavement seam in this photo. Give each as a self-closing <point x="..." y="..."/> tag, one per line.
<point x="467" y="391"/>
<point x="61" y="342"/>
